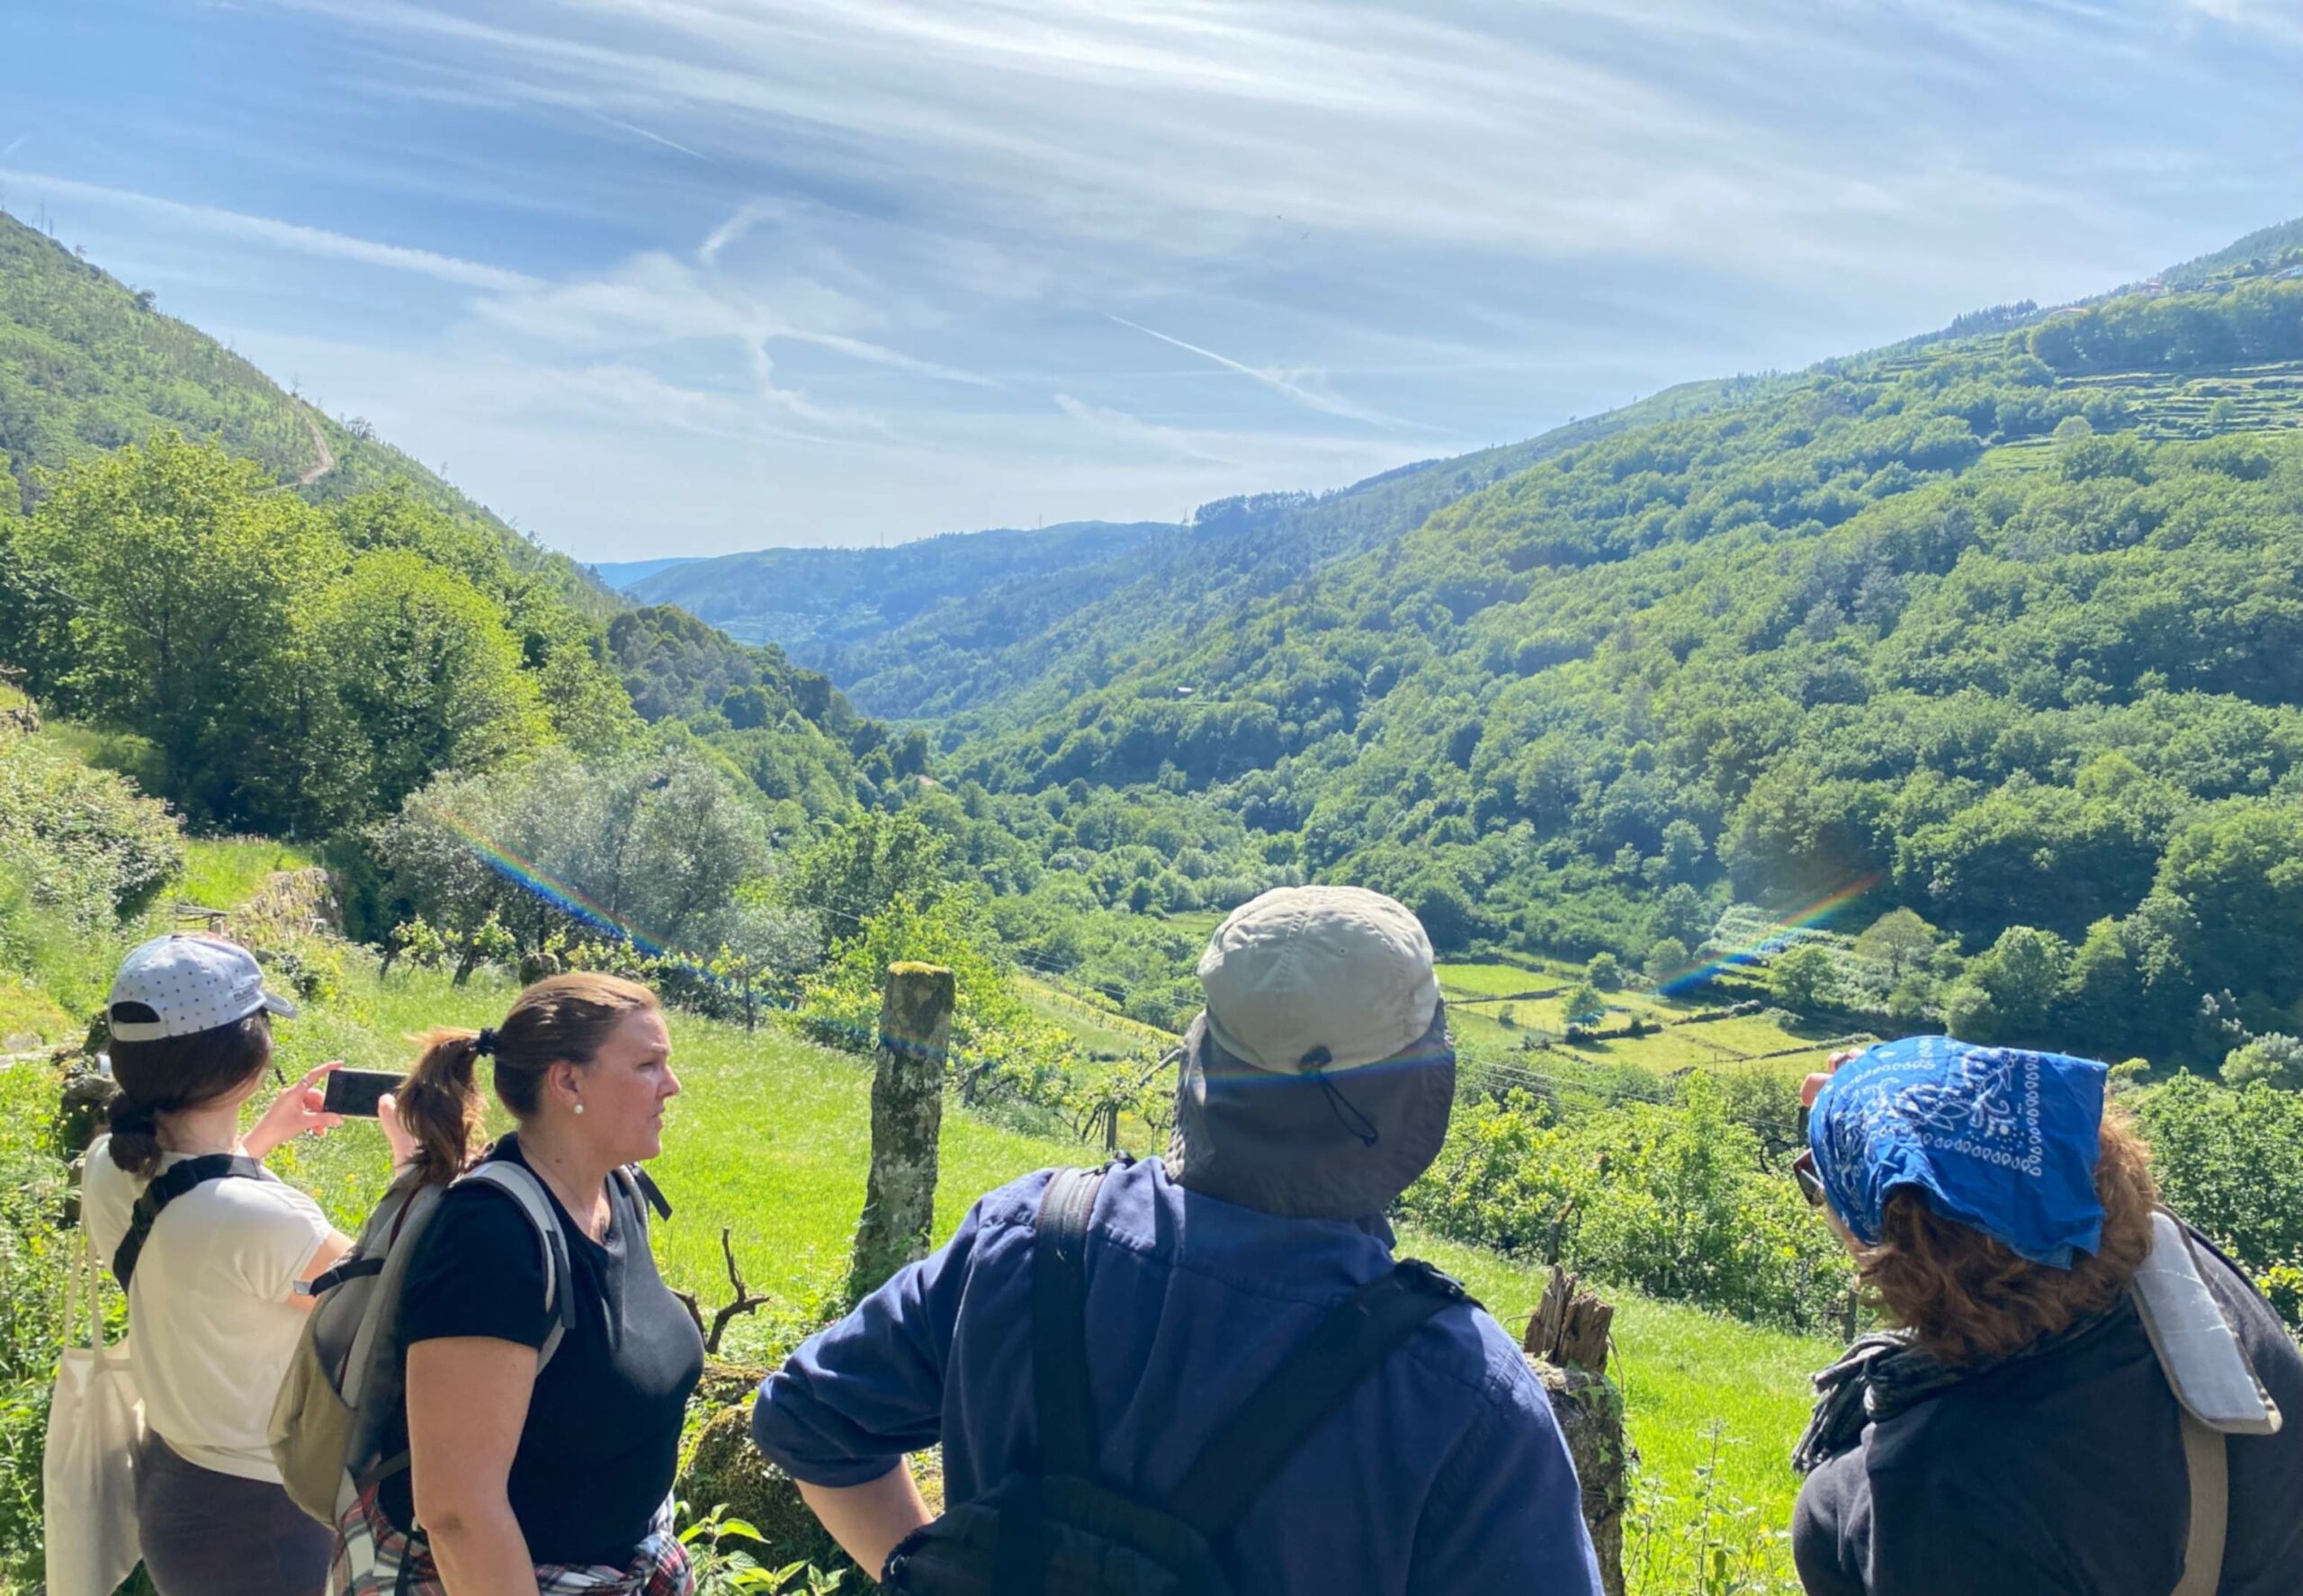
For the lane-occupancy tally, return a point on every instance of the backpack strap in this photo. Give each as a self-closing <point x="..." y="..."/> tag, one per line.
<point x="521" y="1184"/>
<point x="1067" y="1441"/>
<point x="1356" y="1337"/>
<point x="2207" y="1458"/>
<point x="1060" y="1393"/>
<point x="644" y="1192"/>
<point x="164" y="1189"/>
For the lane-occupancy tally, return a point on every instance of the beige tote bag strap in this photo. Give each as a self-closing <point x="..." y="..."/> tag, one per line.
<point x="2207" y="1458"/>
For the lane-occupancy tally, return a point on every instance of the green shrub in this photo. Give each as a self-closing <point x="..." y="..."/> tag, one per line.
<point x="81" y="841"/>
<point x="2231" y="1161"/>
<point x="1676" y="1199"/>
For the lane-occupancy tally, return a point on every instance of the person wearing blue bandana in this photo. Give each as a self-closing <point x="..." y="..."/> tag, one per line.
<point x="2079" y="1394"/>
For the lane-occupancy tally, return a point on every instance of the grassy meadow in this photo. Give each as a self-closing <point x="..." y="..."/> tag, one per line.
<point x="770" y="1136"/>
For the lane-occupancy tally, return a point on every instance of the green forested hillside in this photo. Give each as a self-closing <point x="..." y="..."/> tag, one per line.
<point x="1823" y="643"/>
<point x="88" y="364"/>
<point x="950" y="625"/>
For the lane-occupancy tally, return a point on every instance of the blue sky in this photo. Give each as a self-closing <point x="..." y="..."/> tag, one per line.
<point x="683" y="276"/>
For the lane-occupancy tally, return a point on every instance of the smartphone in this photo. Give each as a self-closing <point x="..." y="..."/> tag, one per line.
<point x="354" y="1092"/>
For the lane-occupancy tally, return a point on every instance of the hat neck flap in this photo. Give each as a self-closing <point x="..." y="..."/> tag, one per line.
<point x="1316" y="1145"/>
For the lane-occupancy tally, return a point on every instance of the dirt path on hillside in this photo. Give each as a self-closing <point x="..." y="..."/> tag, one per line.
<point x="327" y="461"/>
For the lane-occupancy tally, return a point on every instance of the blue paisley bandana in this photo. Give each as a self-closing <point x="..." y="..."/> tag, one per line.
<point x="1997" y="1138"/>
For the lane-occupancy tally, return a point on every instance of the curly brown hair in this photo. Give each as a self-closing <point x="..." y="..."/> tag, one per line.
<point x="1967" y="1298"/>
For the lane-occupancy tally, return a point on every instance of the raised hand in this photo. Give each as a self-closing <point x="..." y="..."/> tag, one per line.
<point x="293" y="1112"/>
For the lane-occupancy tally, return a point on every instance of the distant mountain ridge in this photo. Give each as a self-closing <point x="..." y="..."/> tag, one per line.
<point x="623" y="575"/>
<point x="945" y="626"/>
<point x="88" y="364"/>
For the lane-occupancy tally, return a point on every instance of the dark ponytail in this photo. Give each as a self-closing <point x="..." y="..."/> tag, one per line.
<point x="561" y="1020"/>
<point x="174" y="1074"/>
<point x="134" y="1143"/>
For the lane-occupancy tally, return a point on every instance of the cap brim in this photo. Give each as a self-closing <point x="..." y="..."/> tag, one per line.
<point x="273" y="1003"/>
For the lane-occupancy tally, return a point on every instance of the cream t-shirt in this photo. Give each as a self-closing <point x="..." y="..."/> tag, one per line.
<point x="211" y="1314"/>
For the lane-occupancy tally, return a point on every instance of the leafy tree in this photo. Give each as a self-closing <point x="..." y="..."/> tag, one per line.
<point x="1584" y="1006"/>
<point x="863" y="865"/>
<point x="1802" y="977"/>
<point x="426" y="674"/>
<point x="2022" y="974"/>
<point x="1900" y="942"/>
<point x="2275" y="1058"/>
<point x="1667" y="960"/>
<point x="191" y="593"/>
<point x="651" y="846"/>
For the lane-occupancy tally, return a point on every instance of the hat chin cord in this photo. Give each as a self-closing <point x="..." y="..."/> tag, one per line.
<point x="1347" y="1112"/>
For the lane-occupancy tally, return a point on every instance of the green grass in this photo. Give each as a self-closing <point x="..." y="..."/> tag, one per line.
<point x="1680" y="1369"/>
<point x="30" y="1018"/>
<point x="224" y="871"/>
<point x="1200" y="924"/>
<point x="769" y="1137"/>
<point x="1103" y="1033"/>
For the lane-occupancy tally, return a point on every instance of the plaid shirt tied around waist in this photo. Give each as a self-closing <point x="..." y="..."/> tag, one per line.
<point x="372" y="1558"/>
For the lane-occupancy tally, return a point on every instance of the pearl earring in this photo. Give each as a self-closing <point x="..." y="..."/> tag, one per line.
<point x="579" y="1107"/>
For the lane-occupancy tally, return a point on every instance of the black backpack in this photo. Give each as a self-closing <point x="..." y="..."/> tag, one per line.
<point x="1054" y="1530"/>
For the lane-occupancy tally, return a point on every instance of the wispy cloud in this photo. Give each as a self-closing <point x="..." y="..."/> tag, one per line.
<point x="287" y="235"/>
<point x="2282" y="20"/>
<point x="741" y="221"/>
<point x="866" y="294"/>
<point x="1190" y="444"/>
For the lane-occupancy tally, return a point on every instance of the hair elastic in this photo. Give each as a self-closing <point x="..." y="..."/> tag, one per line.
<point x="484" y="1044"/>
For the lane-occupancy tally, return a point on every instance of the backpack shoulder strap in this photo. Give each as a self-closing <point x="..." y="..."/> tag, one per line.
<point x="1357" y="1336"/>
<point x="645" y="1194"/>
<point x="166" y="1187"/>
<point x="2207" y="1458"/>
<point x="1066" y="1420"/>
<point x="521" y="1184"/>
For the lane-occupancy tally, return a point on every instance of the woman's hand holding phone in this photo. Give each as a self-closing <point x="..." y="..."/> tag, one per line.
<point x="293" y="1112"/>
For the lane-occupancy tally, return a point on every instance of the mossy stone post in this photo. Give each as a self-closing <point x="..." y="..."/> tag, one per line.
<point x="907" y="1116"/>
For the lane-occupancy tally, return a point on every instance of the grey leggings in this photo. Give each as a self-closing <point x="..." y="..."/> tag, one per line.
<point x="209" y="1534"/>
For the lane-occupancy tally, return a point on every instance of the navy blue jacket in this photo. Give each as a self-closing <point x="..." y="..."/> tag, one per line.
<point x="1443" y="1472"/>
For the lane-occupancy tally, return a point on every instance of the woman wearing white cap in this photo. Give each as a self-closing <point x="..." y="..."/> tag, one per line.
<point x="211" y="1247"/>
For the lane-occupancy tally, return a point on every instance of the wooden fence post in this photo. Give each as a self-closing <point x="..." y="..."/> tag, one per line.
<point x="907" y="1115"/>
<point x="1567" y="1345"/>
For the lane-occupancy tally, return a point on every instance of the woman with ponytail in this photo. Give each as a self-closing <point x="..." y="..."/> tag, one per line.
<point x="525" y="1480"/>
<point x="211" y="1276"/>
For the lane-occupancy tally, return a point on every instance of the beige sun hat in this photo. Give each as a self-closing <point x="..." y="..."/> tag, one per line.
<point x="1310" y="978"/>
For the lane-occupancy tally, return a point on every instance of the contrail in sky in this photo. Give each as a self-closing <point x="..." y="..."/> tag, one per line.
<point x="616" y="122"/>
<point x="14" y="145"/>
<point x="1327" y="403"/>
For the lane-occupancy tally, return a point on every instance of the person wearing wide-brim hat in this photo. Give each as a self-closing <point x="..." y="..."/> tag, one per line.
<point x="1315" y="1087"/>
<point x="2081" y="1397"/>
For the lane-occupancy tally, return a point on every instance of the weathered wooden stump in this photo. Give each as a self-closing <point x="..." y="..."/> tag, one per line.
<point x="907" y="1118"/>
<point x="1566" y="1344"/>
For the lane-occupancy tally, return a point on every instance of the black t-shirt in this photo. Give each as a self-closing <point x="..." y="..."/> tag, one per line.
<point x="2059" y="1475"/>
<point x="596" y="1456"/>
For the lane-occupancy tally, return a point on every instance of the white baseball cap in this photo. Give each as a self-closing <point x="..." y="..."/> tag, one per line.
<point x="1319" y="978"/>
<point x="191" y="983"/>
